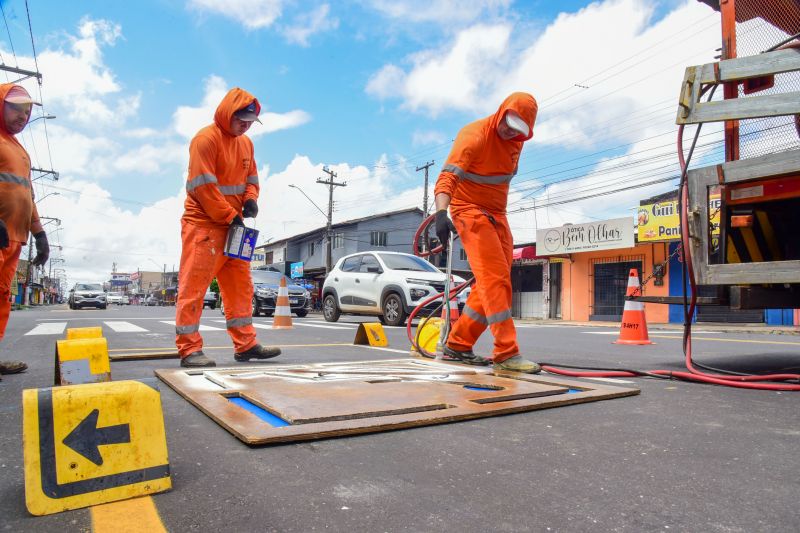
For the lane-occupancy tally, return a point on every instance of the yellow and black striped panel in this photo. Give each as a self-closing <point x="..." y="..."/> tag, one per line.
<point x="755" y="244"/>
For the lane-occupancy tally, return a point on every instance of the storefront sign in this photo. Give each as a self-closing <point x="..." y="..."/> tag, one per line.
<point x="660" y="221"/>
<point x="603" y="235"/>
<point x="296" y="269"/>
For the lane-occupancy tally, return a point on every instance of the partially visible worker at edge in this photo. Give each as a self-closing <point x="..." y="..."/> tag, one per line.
<point x="18" y="215"/>
<point x="221" y="189"/>
<point x="474" y="184"/>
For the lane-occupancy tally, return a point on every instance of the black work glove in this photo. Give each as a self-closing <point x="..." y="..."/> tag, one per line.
<point x="237" y="221"/>
<point x="444" y="226"/>
<point x="42" y="248"/>
<point x="4" y="242"/>
<point x="250" y="208"/>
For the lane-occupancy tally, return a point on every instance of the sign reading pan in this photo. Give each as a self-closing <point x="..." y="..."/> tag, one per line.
<point x="603" y="235"/>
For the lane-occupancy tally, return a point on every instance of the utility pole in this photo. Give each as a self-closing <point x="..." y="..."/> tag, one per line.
<point x="329" y="231"/>
<point x="425" y="167"/>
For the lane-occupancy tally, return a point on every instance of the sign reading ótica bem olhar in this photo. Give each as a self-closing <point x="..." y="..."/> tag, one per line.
<point x="592" y="236"/>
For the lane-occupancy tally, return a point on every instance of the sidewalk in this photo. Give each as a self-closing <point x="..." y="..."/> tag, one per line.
<point x="701" y="326"/>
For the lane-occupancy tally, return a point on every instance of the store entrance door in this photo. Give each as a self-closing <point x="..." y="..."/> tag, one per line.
<point x="610" y="286"/>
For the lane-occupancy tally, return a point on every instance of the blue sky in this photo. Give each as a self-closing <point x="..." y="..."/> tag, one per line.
<point x="372" y="88"/>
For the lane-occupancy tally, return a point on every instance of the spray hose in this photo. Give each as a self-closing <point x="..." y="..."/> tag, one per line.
<point x="744" y="381"/>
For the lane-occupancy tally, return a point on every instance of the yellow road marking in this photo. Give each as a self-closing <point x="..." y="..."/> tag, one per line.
<point x="127" y="516"/>
<point x="750" y="341"/>
<point x="172" y="348"/>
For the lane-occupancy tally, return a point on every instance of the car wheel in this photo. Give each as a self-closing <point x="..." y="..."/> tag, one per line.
<point x="103" y="306"/>
<point x="256" y="310"/>
<point x="212" y="306"/>
<point x="268" y="313"/>
<point x="330" y="310"/>
<point x="382" y="319"/>
<point x="301" y="313"/>
<point x="393" y="311"/>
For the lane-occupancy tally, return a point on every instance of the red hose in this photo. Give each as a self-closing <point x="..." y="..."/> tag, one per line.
<point x="743" y="381"/>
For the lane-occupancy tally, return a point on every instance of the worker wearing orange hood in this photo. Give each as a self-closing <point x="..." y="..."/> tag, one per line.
<point x="474" y="184"/>
<point x="221" y="189"/>
<point x="18" y="215"/>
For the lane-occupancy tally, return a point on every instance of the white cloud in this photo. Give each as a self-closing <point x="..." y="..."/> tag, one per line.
<point x="454" y="78"/>
<point x="308" y="24"/>
<point x="428" y="137"/>
<point x="444" y="12"/>
<point x="252" y="14"/>
<point x="188" y="120"/>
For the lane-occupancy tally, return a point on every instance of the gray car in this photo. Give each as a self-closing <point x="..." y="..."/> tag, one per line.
<point x="87" y="295"/>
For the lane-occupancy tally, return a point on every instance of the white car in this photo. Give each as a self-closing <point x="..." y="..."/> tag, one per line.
<point x="388" y="285"/>
<point x="118" y="298"/>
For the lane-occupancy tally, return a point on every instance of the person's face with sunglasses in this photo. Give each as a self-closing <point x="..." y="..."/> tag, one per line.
<point x="16" y="116"/>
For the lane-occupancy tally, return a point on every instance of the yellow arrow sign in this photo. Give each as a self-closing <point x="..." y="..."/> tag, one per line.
<point x="93" y="443"/>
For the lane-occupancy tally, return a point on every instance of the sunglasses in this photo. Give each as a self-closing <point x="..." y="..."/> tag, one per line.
<point x="20" y="108"/>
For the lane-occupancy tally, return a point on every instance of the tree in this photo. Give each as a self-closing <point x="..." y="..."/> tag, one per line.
<point x="214" y="287"/>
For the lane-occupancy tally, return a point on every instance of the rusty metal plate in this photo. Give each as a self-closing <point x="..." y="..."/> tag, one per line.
<point x="285" y="403"/>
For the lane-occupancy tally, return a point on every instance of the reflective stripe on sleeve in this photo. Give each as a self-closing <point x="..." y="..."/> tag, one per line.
<point x="474" y="315"/>
<point x="499" y="317"/>
<point x="6" y="177"/>
<point x="477" y="178"/>
<point x="230" y="190"/>
<point x="252" y="180"/>
<point x="239" y="322"/>
<point x="186" y="330"/>
<point x="199" y="181"/>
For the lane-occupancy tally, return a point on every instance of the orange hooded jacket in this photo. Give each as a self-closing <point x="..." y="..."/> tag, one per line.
<point x="17" y="208"/>
<point x="222" y="168"/>
<point x="481" y="164"/>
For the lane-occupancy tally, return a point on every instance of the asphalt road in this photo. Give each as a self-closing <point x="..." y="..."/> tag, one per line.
<point x="677" y="457"/>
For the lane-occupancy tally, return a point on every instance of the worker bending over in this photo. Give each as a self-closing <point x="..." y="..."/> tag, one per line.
<point x="221" y="189"/>
<point x="474" y="185"/>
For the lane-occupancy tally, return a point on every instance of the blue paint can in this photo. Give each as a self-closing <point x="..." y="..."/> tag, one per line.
<point x="240" y="243"/>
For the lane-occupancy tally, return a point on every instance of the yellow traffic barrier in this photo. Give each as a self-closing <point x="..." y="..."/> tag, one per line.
<point x="82" y="360"/>
<point x="371" y="334"/>
<point x="428" y="336"/>
<point x="89" y="444"/>
<point x="84" y="333"/>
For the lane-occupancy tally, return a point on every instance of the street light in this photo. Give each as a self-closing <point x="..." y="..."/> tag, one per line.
<point x="309" y="199"/>
<point x="48" y="194"/>
<point x="46" y="117"/>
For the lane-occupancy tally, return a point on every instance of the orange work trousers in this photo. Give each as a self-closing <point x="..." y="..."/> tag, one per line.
<point x="489" y="246"/>
<point x="201" y="261"/>
<point x="9" y="257"/>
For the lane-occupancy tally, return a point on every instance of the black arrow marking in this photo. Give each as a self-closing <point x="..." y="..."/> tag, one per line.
<point x="87" y="437"/>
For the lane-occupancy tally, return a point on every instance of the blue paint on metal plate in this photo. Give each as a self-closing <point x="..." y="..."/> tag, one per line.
<point x="263" y="414"/>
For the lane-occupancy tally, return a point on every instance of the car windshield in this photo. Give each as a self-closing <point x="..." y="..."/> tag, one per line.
<point x="407" y="262"/>
<point x="266" y="276"/>
<point x="88" y="287"/>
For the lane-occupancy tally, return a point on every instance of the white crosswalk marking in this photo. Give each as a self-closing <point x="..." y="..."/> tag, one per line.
<point x="48" y="328"/>
<point x="203" y="327"/>
<point x="601" y="332"/>
<point x="341" y="324"/>
<point x="124" y="327"/>
<point x="268" y="325"/>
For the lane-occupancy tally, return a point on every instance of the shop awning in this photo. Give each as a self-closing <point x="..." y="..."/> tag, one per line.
<point x="526" y="252"/>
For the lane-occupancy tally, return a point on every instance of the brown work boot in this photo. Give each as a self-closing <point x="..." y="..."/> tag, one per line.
<point x="12" y="367"/>
<point x="257" y="352"/>
<point x="518" y="364"/>
<point x="197" y="360"/>
<point x="467" y="356"/>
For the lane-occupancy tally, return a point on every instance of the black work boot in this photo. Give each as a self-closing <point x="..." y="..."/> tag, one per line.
<point x="257" y="352"/>
<point x="197" y="360"/>
<point x="467" y="357"/>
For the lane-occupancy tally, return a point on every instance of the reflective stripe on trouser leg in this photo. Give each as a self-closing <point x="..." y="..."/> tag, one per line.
<point x="489" y="248"/>
<point x="236" y="287"/>
<point x="8" y="267"/>
<point x="201" y="258"/>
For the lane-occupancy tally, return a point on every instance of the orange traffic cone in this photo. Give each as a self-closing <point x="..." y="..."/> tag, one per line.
<point x="633" y="329"/>
<point x="283" y="312"/>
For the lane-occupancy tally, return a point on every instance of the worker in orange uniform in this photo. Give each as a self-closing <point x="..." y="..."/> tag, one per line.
<point x="221" y="190"/>
<point x="18" y="215"/>
<point x="474" y="185"/>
